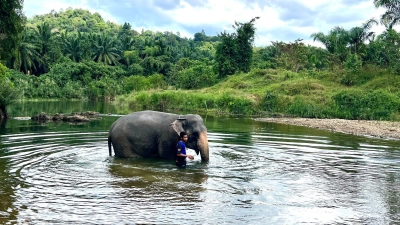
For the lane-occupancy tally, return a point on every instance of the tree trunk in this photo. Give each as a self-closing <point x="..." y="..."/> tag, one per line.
<point x="3" y="112"/>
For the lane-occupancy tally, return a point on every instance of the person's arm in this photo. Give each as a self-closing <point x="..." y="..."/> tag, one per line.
<point x="179" y="151"/>
<point x="179" y="154"/>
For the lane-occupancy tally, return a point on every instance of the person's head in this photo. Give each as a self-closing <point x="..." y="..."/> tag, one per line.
<point x="183" y="136"/>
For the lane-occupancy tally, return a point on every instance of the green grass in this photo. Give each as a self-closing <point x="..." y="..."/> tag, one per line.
<point x="266" y="92"/>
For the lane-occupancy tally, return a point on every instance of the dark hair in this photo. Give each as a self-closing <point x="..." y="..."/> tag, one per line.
<point x="183" y="133"/>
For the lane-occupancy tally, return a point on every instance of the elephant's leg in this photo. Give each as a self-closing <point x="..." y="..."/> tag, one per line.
<point x="166" y="150"/>
<point x="123" y="148"/>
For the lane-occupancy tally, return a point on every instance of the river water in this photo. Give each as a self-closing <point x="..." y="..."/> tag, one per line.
<point x="258" y="173"/>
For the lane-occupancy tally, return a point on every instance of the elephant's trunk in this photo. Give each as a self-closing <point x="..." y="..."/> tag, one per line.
<point x="203" y="146"/>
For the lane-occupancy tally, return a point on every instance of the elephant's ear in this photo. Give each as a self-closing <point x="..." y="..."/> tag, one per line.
<point x="177" y="125"/>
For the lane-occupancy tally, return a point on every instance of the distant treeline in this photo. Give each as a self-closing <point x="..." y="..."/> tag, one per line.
<point x="76" y="54"/>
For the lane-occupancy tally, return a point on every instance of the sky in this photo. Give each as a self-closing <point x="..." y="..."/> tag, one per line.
<point x="280" y="20"/>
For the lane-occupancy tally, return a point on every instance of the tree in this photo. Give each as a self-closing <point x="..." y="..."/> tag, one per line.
<point x="392" y="15"/>
<point x="335" y="41"/>
<point x="225" y="55"/>
<point x="200" y="36"/>
<point x="11" y="26"/>
<point x="8" y="94"/>
<point x="244" y="42"/>
<point x="27" y="55"/>
<point x="45" y="37"/>
<point x="358" y="35"/>
<point x="234" y="52"/>
<point x="384" y="51"/>
<point x="105" y="50"/>
<point x="71" y="46"/>
<point x="126" y="31"/>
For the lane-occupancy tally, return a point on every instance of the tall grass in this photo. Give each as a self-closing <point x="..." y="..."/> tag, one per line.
<point x="190" y="101"/>
<point x="269" y="92"/>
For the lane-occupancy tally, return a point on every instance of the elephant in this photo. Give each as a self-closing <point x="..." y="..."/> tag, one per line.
<point x="150" y="134"/>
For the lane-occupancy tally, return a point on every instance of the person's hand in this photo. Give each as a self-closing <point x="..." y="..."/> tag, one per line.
<point x="190" y="157"/>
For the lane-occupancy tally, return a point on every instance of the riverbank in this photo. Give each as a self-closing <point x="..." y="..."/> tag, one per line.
<point x="374" y="128"/>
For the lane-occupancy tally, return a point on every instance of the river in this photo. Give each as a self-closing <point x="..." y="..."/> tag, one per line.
<point x="258" y="173"/>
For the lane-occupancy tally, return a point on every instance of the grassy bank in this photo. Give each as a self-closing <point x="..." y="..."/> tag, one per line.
<point x="369" y="94"/>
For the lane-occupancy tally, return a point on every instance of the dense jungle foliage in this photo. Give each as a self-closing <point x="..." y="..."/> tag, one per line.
<point x="75" y="54"/>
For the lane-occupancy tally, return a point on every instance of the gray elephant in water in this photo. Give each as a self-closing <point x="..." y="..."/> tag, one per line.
<point x="155" y="134"/>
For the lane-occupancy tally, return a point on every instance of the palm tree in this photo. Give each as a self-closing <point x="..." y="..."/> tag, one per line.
<point x="105" y="50"/>
<point x="71" y="47"/>
<point x="127" y="43"/>
<point x="45" y="36"/>
<point x="358" y="35"/>
<point x="392" y="16"/>
<point x="27" y="54"/>
<point x="335" y="42"/>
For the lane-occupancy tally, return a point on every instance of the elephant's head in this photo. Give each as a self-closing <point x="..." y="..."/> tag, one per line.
<point x="197" y="133"/>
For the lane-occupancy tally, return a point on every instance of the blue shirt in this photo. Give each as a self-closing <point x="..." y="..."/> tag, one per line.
<point x="181" y="148"/>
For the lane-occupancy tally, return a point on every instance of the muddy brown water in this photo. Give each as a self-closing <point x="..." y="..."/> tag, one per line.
<point x="258" y="173"/>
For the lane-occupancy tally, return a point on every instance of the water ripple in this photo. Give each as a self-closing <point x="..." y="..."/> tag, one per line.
<point x="253" y="177"/>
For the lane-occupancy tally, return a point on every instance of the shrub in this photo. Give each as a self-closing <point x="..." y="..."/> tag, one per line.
<point x="270" y="102"/>
<point x="46" y="87"/>
<point x="359" y="104"/>
<point x="361" y="76"/>
<point x="301" y="107"/>
<point x="353" y="63"/>
<point x="140" y="83"/>
<point x="8" y="94"/>
<point x="72" y="90"/>
<point x="235" y="105"/>
<point x="197" y="76"/>
<point x="136" y="83"/>
<point x="157" y="81"/>
<point x="105" y="88"/>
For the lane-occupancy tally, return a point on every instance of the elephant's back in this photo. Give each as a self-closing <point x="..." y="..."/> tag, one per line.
<point x="143" y="120"/>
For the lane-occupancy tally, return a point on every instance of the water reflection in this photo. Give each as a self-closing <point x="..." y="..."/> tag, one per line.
<point x="259" y="173"/>
<point x="7" y="186"/>
<point x="157" y="181"/>
<point x="28" y="109"/>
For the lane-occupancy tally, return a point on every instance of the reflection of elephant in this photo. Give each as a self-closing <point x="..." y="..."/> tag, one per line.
<point x="155" y="134"/>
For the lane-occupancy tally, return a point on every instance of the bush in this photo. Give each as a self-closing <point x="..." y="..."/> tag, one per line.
<point x="140" y="83"/>
<point x="270" y="102"/>
<point x="46" y="87"/>
<point x="135" y="69"/>
<point x="85" y="71"/>
<point x="359" y="104"/>
<point x="8" y="94"/>
<point x="361" y="76"/>
<point x="235" y="105"/>
<point x="197" y="76"/>
<point x="189" y="101"/>
<point x="301" y="107"/>
<point x="157" y="81"/>
<point x="136" y="83"/>
<point x="72" y="90"/>
<point x="105" y="88"/>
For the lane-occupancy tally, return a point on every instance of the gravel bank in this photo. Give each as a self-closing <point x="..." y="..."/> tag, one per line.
<point x="380" y="129"/>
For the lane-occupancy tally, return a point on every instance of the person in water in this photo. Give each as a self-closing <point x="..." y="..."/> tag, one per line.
<point x="181" y="151"/>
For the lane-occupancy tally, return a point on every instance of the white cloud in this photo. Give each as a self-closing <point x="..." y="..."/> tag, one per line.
<point x="34" y="7"/>
<point x="223" y="13"/>
<point x="314" y="4"/>
<point x="280" y="20"/>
